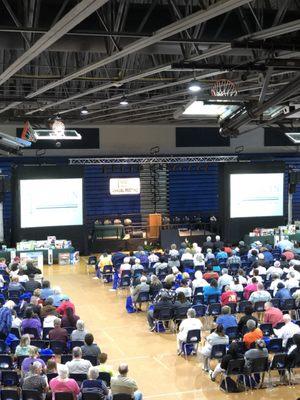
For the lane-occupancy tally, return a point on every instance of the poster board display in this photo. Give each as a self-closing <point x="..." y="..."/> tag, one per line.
<point x="64" y="259"/>
<point x="35" y="257"/>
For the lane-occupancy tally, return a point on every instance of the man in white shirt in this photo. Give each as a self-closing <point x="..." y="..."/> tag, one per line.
<point x="288" y="330"/>
<point x="188" y="324"/>
<point x="275" y="269"/>
<point x="78" y="365"/>
<point x="291" y="282"/>
<point x="225" y="278"/>
<point x="274" y="284"/>
<point x="260" y="294"/>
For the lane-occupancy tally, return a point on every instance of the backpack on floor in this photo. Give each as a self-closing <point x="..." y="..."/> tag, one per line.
<point x="129" y="305"/>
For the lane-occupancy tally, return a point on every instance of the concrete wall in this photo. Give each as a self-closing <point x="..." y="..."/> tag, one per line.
<point x="138" y="139"/>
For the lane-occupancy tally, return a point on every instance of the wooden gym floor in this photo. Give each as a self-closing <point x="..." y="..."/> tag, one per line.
<point x="152" y="359"/>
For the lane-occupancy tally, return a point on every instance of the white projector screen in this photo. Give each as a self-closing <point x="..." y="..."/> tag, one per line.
<point x="51" y="202"/>
<point x="124" y="186"/>
<point x="256" y="195"/>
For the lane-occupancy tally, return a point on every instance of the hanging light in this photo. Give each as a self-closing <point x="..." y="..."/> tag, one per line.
<point x="194" y="86"/>
<point x="124" y="101"/>
<point x="84" y="111"/>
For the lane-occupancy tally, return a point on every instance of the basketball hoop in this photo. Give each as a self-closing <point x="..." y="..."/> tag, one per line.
<point x="224" y="87"/>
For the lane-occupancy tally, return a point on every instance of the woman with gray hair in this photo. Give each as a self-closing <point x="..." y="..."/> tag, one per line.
<point x="62" y="383"/>
<point x="80" y="332"/>
<point x="36" y="381"/>
<point x="189" y="324"/>
<point x="93" y="384"/>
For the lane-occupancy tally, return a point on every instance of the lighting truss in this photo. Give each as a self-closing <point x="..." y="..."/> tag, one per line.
<point x="152" y="160"/>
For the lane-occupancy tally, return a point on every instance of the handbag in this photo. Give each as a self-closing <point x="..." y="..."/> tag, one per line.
<point x="129" y="306"/>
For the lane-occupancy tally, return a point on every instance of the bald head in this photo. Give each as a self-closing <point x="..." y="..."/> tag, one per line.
<point x="286" y="318"/>
<point x="123" y="369"/>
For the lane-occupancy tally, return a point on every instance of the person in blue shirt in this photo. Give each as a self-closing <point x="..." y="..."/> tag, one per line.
<point x="268" y="256"/>
<point x="282" y="293"/>
<point x="221" y="254"/>
<point x="93" y="384"/>
<point x="226" y="319"/>
<point x="46" y="291"/>
<point x="6" y="319"/>
<point x="211" y="289"/>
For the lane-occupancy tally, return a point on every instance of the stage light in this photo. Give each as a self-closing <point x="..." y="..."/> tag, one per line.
<point x="194" y="86"/>
<point x="84" y="111"/>
<point x="124" y="101"/>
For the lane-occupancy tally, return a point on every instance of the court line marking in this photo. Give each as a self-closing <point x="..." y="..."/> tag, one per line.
<point x="114" y="342"/>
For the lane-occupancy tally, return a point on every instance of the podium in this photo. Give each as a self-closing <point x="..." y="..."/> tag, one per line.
<point x="154" y="225"/>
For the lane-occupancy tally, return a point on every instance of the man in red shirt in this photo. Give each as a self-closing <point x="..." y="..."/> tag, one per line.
<point x="228" y="296"/>
<point x="272" y="314"/>
<point x="66" y="303"/>
<point x="210" y="274"/>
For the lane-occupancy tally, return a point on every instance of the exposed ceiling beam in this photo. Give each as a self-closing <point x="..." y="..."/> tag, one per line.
<point x="69" y="21"/>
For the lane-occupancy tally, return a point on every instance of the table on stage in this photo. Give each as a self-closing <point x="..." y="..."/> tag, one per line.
<point x="104" y="231"/>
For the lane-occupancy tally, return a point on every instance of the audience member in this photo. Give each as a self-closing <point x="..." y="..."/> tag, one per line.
<point x="122" y="384"/>
<point x="188" y="324"/>
<point x="226" y="319"/>
<point x="288" y="330"/>
<point x="216" y="337"/>
<point x="228" y="296"/>
<point x="260" y="294"/>
<point x="272" y="315"/>
<point x="23" y="348"/>
<point x="142" y="287"/>
<point x="6" y="319"/>
<point x="31" y="284"/>
<point x="184" y="288"/>
<point x="210" y="290"/>
<point x="252" y="287"/>
<point x="253" y="333"/>
<point x="58" y="333"/>
<point x="80" y="332"/>
<point x="282" y="293"/>
<point x="69" y="320"/>
<point x="46" y="291"/>
<point x="93" y="384"/>
<point x="103" y="366"/>
<point x="33" y="355"/>
<point x="31" y="322"/>
<point x="65" y="303"/>
<point x="232" y="354"/>
<point x="78" y="365"/>
<point x="90" y="348"/>
<point x="62" y="383"/>
<point x="34" y="380"/>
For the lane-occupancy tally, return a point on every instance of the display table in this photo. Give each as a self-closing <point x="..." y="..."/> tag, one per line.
<point x="268" y="239"/>
<point x="6" y="254"/>
<point x="104" y="231"/>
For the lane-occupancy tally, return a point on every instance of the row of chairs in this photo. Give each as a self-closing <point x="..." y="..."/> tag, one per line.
<point x="10" y="394"/>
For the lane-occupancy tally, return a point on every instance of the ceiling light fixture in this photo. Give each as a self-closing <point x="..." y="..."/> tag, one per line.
<point x="84" y="111"/>
<point x="124" y="101"/>
<point x="194" y="86"/>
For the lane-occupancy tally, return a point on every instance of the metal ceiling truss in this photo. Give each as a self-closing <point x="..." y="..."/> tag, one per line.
<point x="143" y="49"/>
<point x="152" y="160"/>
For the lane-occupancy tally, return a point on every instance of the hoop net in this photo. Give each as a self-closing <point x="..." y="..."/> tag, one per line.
<point x="224" y="87"/>
<point x="28" y="132"/>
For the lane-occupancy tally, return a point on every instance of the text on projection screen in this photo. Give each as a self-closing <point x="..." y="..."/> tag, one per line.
<point x="256" y="195"/>
<point x="124" y="186"/>
<point x="51" y="202"/>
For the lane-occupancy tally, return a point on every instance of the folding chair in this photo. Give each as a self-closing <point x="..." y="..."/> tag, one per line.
<point x="63" y="396"/>
<point x="10" y="378"/>
<point x="58" y="347"/>
<point x="232" y="332"/>
<point x="180" y="313"/>
<point x="9" y="394"/>
<point x="51" y="375"/>
<point x="107" y="273"/>
<point x="242" y="305"/>
<point x="287" y="305"/>
<point x="143" y="297"/>
<point x="75" y="343"/>
<point x="20" y="359"/>
<point x="212" y="299"/>
<point x="200" y="310"/>
<point x="79" y="378"/>
<point x="193" y="339"/>
<point x="258" y="366"/>
<point x="235" y="368"/>
<point x="233" y="307"/>
<point x="91" y="264"/>
<point x="65" y="358"/>
<point x="259" y="306"/>
<point x="40" y="344"/>
<point x="214" y="309"/>
<point x="266" y="329"/>
<point x="275" y="345"/>
<point x="275" y="302"/>
<point x="91" y="396"/>
<point x="105" y="377"/>
<point x="164" y="315"/>
<point x="13" y="345"/>
<point x="31" y="395"/>
<point x="121" y="396"/>
<point x="16" y="332"/>
<point x="46" y="333"/>
<point x="217" y="351"/>
<point x="124" y="282"/>
<point x="278" y="363"/>
<point x="6" y="361"/>
<point x="93" y="360"/>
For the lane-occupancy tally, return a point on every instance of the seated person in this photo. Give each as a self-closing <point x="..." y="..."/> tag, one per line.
<point x="35" y="380"/>
<point x="80" y="332"/>
<point x="23" y="348"/>
<point x="259" y="351"/>
<point x="216" y="337"/>
<point x="282" y="293"/>
<point x="181" y="301"/>
<point x="31" y="284"/>
<point x="228" y="296"/>
<point x="288" y="330"/>
<point x="142" y="287"/>
<point x="188" y="324"/>
<point x="15" y="285"/>
<point x="125" y="266"/>
<point x="51" y="366"/>
<point x="226" y="319"/>
<point x="260" y="294"/>
<point x="252" y="287"/>
<point x="30" y="321"/>
<point x="236" y="286"/>
<point x="103" y="367"/>
<point x="155" y="285"/>
<point x="232" y="354"/>
<point x="58" y="333"/>
<point x="253" y="333"/>
<point x="32" y="357"/>
<point x="65" y="303"/>
<point x="69" y="319"/>
<point x="93" y="384"/>
<point x="212" y="289"/>
<point x="46" y="291"/>
<point x="162" y="265"/>
<point x="294" y="351"/>
<point x="57" y="296"/>
<point x="184" y="288"/>
<point x="90" y="348"/>
<point x="225" y="279"/>
<point x="62" y="383"/>
<point x="48" y="309"/>
<point x="163" y="301"/>
<point x="199" y="281"/>
<point x="210" y="274"/>
<point x="78" y="365"/>
<point x="122" y="384"/>
<point x="272" y="314"/>
<point x="242" y="324"/>
<point x="31" y="269"/>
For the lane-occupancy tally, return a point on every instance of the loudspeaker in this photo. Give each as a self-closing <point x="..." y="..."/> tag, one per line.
<point x="168" y="237"/>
